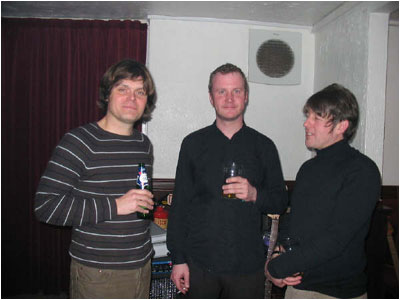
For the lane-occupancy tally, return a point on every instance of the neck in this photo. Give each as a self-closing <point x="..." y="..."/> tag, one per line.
<point x="229" y="128"/>
<point x="115" y="127"/>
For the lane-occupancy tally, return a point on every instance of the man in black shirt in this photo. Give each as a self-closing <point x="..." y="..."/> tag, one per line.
<point x="216" y="242"/>
<point x="331" y="205"/>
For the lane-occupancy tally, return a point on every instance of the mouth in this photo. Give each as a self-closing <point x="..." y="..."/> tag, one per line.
<point x="130" y="107"/>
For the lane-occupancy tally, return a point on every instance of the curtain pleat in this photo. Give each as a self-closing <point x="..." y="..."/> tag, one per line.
<point x="51" y="71"/>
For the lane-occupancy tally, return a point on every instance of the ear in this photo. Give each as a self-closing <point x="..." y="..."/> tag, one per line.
<point x="341" y="127"/>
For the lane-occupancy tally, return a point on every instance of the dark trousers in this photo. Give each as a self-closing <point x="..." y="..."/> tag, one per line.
<point x="207" y="285"/>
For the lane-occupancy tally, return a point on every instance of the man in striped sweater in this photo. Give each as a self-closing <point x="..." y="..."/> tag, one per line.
<point x="89" y="184"/>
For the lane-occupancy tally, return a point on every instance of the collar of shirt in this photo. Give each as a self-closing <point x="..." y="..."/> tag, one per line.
<point x="237" y="134"/>
<point x="334" y="149"/>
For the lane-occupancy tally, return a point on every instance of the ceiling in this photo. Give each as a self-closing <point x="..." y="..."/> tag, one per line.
<point x="302" y="13"/>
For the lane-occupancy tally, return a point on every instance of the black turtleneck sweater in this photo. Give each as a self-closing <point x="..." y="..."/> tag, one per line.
<point x="218" y="234"/>
<point x="331" y="207"/>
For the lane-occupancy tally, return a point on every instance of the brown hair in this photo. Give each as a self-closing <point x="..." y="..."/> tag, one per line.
<point x="336" y="103"/>
<point x="127" y="69"/>
<point x="226" y="69"/>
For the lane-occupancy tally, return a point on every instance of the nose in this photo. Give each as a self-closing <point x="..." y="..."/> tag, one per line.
<point x="229" y="97"/>
<point x="132" y="95"/>
<point x="306" y="122"/>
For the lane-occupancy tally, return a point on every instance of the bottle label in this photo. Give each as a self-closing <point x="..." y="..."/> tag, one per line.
<point x="142" y="180"/>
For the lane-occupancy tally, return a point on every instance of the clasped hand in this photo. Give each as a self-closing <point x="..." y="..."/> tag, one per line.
<point x="241" y="188"/>
<point x="135" y="200"/>
<point x="291" y="280"/>
<point x="281" y="282"/>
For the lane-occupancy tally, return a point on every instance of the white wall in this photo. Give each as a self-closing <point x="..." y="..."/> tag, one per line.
<point x="391" y="141"/>
<point x="341" y="56"/>
<point x="351" y="50"/>
<point x="181" y="56"/>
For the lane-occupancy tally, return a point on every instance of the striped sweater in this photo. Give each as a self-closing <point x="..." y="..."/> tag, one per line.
<point x="88" y="170"/>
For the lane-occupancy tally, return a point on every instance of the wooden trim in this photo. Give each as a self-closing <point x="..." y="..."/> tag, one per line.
<point x="290" y="184"/>
<point x="163" y="184"/>
<point x="390" y="192"/>
<point x="167" y="185"/>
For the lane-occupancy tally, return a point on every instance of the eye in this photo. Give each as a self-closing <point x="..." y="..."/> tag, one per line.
<point x="140" y="93"/>
<point x="221" y="92"/>
<point x="122" y="90"/>
<point x="237" y="91"/>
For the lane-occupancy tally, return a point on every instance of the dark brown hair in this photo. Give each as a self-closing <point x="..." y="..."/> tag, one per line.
<point x="337" y="104"/>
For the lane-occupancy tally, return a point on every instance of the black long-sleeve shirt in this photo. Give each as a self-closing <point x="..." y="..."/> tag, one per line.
<point x="331" y="206"/>
<point x="219" y="234"/>
<point x="88" y="170"/>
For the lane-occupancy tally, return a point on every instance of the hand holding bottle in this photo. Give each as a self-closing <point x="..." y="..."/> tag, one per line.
<point x="139" y="200"/>
<point x="135" y="201"/>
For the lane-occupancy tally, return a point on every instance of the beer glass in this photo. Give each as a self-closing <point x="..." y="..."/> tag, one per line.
<point x="231" y="169"/>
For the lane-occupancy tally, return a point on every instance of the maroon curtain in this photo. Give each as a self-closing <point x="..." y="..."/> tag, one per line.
<point x="50" y="82"/>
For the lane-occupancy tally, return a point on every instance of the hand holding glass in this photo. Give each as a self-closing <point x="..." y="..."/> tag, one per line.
<point x="232" y="169"/>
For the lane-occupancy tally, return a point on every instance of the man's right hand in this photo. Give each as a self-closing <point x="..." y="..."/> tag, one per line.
<point x="180" y="276"/>
<point x="133" y="201"/>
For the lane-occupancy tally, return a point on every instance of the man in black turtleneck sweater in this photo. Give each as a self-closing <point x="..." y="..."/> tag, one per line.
<point x="331" y="205"/>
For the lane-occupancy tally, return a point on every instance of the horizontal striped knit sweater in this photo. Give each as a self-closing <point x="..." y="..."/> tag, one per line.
<point x="88" y="170"/>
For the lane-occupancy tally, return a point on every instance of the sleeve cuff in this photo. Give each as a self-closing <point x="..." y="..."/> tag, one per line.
<point x="272" y="268"/>
<point x="178" y="258"/>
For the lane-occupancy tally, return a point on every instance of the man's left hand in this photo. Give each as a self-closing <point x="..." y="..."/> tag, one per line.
<point x="291" y="280"/>
<point x="241" y="188"/>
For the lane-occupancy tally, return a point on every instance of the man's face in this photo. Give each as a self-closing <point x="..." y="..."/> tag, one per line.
<point x="228" y="96"/>
<point x="320" y="133"/>
<point x="127" y="101"/>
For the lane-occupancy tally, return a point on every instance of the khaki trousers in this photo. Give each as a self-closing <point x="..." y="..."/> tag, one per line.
<point x="92" y="283"/>
<point x="292" y="293"/>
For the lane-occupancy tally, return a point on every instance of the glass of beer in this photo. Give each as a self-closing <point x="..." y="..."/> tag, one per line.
<point x="231" y="169"/>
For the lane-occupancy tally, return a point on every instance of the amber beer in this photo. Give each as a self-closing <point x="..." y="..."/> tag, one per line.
<point x="142" y="183"/>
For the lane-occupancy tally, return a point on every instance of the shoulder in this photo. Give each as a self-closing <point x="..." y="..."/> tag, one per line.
<point x="83" y="139"/>
<point x="89" y="129"/>
<point x="143" y="137"/>
<point x="198" y="135"/>
<point x="258" y="137"/>
<point x="306" y="165"/>
<point x="77" y="133"/>
<point x="362" y="163"/>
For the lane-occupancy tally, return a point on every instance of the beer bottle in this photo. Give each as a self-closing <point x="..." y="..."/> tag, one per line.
<point x="142" y="183"/>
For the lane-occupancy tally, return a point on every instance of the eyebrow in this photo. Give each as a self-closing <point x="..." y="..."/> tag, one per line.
<point x="126" y="85"/>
